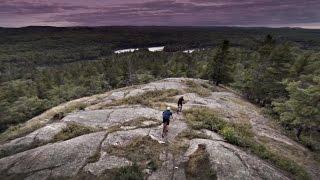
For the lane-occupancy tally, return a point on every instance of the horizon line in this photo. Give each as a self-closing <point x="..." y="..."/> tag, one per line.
<point x="231" y="26"/>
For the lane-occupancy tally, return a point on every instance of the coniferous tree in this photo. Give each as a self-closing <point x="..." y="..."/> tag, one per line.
<point x="269" y="66"/>
<point x="220" y="66"/>
<point x="302" y="109"/>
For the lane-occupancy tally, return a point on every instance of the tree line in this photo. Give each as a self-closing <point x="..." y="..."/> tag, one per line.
<point x="282" y="78"/>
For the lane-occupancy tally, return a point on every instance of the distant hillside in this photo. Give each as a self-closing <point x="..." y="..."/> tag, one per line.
<point x="117" y="135"/>
<point x="51" y="45"/>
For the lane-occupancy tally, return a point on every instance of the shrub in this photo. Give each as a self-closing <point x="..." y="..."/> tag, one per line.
<point x="203" y="118"/>
<point x="229" y="134"/>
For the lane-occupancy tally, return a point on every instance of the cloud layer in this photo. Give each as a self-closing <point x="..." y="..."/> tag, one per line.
<point x="15" y="13"/>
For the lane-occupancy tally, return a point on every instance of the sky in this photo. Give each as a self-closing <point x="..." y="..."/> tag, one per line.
<point x="248" y="13"/>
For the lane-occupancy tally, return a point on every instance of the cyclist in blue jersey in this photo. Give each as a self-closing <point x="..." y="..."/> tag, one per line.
<point x="166" y="115"/>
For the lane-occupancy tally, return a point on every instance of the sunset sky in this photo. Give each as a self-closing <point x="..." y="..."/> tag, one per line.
<point x="270" y="13"/>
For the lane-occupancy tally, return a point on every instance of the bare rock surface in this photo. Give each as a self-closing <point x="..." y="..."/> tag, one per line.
<point x="172" y="168"/>
<point x="234" y="109"/>
<point x="38" y="137"/>
<point x="177" y="125"/>
<point x="106" y="162"/>
<point x="166" y="172"/>
<point x="123" y="138"/>
<point x="232" y="163"/>
<point x="169" y="83"/>
<point x="113" y="116"/>
<point x="212" y="135"/>
<point x="71" y="157"/>
<point x="62" y="159"/>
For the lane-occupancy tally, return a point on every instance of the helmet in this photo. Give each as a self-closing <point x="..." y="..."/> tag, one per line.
<point x="168" y="108"/>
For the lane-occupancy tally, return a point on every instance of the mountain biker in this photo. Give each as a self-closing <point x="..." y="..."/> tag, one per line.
<point x="166" y="115"/>
<point x="180" y="102"/>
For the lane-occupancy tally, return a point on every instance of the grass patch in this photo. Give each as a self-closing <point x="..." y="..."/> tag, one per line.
<point x="192" y="134"/>
<point x="202" y="89"/>
<point x="24" y="147"/>
<point x="241" y="135"/>
<point x="139" y="122"/>
<point x="20" y="130"/>
<point x="133" y="172"/>
<point x="71" y="131"/>
<point x="129" y="173"/>
<point x="149" y="99"/>
<point x="114" y="129"/>
<point x="197" y="167"/>
<point x="209" y="87"/>
<point x="143" y="150"/>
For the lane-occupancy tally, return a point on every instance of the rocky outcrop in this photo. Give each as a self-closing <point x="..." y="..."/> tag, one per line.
<point x="112" y="116"/>
<point x="36" y="156"/>
<point x="106" y="162"/>
<point x="34" y="139"/>
<point x="62" y="159"/>
<point x="232" y="163"/>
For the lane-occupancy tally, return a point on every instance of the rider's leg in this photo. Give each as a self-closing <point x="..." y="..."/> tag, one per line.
<point x="164" y="129"/>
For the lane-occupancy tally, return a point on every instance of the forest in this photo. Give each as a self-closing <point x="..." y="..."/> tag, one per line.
<point x="277" y="69"/>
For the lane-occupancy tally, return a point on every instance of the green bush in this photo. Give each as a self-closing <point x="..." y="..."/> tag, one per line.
<point x="203" y="118"/>
<point x="229" y="134"/>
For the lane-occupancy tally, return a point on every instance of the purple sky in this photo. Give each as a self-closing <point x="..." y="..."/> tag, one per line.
<point x="272" y="13"/>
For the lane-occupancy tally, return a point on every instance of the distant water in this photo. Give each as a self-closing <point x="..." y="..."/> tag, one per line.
<point x="155" y="49"/>
<point x="126" y="50"/>
<point x="152" y="49"/>
<point x="189" y="51"/>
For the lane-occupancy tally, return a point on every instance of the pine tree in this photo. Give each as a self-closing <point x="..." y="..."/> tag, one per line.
<point x="220" y="66"/>
<point x="302" y="109"/>
<point x="269" y="66"/>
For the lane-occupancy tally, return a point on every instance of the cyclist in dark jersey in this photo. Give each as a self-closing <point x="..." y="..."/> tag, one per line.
<point x="167" y="114"/>
<point x="180" y="102"/>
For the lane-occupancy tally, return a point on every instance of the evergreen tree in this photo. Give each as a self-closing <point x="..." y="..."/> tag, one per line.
<point x="302" y="109"/>
<point x="220" y="66"/>
<point x="262" y="80"/>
